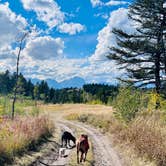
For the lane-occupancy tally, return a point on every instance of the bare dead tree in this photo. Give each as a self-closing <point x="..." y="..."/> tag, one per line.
<point x="21" y="42"/>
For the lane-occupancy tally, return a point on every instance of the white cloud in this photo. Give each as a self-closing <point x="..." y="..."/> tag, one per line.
<point x="64" y="68"/>
<point x="43" y="48"/>
<point x="47" y="11"/>
<point x="102" y="15"/>
<point x="114" y="3"/>
<point x="43" y="57"/>
<point x="106" y="38"/>
<point x="11" y="25"/>
<point x="164" y="5"/>
<point x="50" y="13"/>
<point x="71" y="28"/>
<point x="102" y="67"/>
<point x="96" y="3"/>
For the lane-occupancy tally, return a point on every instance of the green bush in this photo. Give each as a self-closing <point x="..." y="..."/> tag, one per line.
<point x="127" y="103"/>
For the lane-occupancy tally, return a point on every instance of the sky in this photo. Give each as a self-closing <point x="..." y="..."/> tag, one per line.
<point x="69" y="38"/>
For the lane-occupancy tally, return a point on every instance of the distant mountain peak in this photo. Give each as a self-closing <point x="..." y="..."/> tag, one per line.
<point x="75" y="82"/>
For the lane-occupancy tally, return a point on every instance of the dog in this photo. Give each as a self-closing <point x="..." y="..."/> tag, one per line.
<point x="67" y="137"/>
<point x="83" y="147"/>
<point x="62" y="152"/>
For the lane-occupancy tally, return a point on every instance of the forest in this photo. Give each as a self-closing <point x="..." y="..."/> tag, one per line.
<point x="89" y="93"/>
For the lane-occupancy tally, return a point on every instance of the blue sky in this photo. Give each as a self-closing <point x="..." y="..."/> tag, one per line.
<point x="69" y="37"/>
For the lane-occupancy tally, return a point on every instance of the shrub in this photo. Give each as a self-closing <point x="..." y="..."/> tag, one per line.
<point x="127" y="103"/>
<point x="73" y="116"/>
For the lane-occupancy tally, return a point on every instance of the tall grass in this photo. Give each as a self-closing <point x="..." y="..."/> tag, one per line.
<point x="21" y="134"/>
<point x="148" y="135"/>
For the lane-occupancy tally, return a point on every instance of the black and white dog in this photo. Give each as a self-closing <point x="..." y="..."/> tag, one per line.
<point x="67" y="137"/>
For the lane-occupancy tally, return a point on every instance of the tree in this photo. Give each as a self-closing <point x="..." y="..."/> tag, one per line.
<point x="21" y="42"/>
<point x="21" y="85"/>
<point x="36" y="93"/>
<point x="143" y="53"/>
<point x="29" y="89"/>
<point x="44" y="90"/>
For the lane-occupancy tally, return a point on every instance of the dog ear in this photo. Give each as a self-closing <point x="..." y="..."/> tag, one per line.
<point x="86" y="136"/>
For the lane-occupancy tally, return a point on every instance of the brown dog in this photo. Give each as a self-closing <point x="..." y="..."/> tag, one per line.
<point x="83" y="147"/>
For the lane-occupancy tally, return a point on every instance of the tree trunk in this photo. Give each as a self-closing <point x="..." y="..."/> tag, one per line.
<point x="17" y="73"/>
<point x="13" y="106"/>
<point x="157" y="79"/>
<point x="157" y="65"/>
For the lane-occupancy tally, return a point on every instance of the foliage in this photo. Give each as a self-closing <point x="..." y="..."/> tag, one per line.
<point x="127" y="103"/>
<point x="95" y="102"/>
<point x="147" y="134"/>
<point x="100" y="92"/>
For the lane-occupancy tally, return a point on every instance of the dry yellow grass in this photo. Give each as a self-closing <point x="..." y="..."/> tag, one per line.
<point x="66" y="109"/>
<point x="22" y="134"/>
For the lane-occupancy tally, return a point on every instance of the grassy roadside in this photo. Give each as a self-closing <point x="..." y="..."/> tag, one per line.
<point x="26" y="132"/>
<point x="21" y="135"/>
<point x="47" y="150"/>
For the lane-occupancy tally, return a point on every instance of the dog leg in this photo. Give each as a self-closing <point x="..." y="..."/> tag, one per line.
<point x="85" y="156"/>
<point x="77" y="156"/>
<point x="62" y="142"/>
<point x="66" y="143"/>
<point x="81" y="157"/>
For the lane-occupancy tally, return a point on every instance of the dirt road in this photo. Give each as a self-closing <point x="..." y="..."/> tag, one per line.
<point x="103" y="151"/>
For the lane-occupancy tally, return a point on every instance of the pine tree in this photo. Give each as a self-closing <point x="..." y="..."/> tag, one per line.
<point x="143" y="53"/>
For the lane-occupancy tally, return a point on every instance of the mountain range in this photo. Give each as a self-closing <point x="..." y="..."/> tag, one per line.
<point x="75" y="82"/>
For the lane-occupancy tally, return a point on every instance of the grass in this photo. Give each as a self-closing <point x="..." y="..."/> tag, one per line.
<point x="23" y="106"/>
<point x="22" y="134"/>
<point x="149" y="137"/>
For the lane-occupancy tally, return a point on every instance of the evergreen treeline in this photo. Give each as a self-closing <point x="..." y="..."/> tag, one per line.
<point x="98" y="93"/>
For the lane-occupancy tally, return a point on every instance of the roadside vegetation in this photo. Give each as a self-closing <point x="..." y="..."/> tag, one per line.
<point x="22" y="134"/>
<point x="28" y="129"/>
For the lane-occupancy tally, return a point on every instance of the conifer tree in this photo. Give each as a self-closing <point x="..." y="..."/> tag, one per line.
<point x="143" y="53"/>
